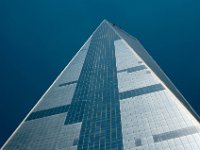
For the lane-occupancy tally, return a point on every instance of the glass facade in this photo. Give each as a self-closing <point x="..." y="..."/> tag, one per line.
<point x="111" y="96"/>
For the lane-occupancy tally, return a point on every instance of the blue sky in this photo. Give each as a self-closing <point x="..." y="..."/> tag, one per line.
<point x="39" y="37"/>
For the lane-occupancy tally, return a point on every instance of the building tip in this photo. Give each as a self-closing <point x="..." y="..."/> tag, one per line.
<point x="106" y="21"/>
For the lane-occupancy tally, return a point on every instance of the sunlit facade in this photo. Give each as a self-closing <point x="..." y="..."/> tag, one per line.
<point x="111" y="96"/>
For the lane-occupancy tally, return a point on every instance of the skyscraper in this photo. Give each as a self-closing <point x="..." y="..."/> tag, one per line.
<point x="112" y="95"/>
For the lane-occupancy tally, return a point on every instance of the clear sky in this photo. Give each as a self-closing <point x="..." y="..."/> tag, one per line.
<point x="39" y="37"/>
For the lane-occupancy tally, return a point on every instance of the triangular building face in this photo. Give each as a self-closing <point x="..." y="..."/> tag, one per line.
<point x="112" y="95"/>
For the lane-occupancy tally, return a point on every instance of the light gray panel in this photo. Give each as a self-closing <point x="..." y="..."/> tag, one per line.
<point x="40" y="134"/>
<point x="135" y="80"/>
<point x="124" y="57"/>
<point x="154" y="114"/>
<point x="60" y="96"/>
<point x="73" y="70"/>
